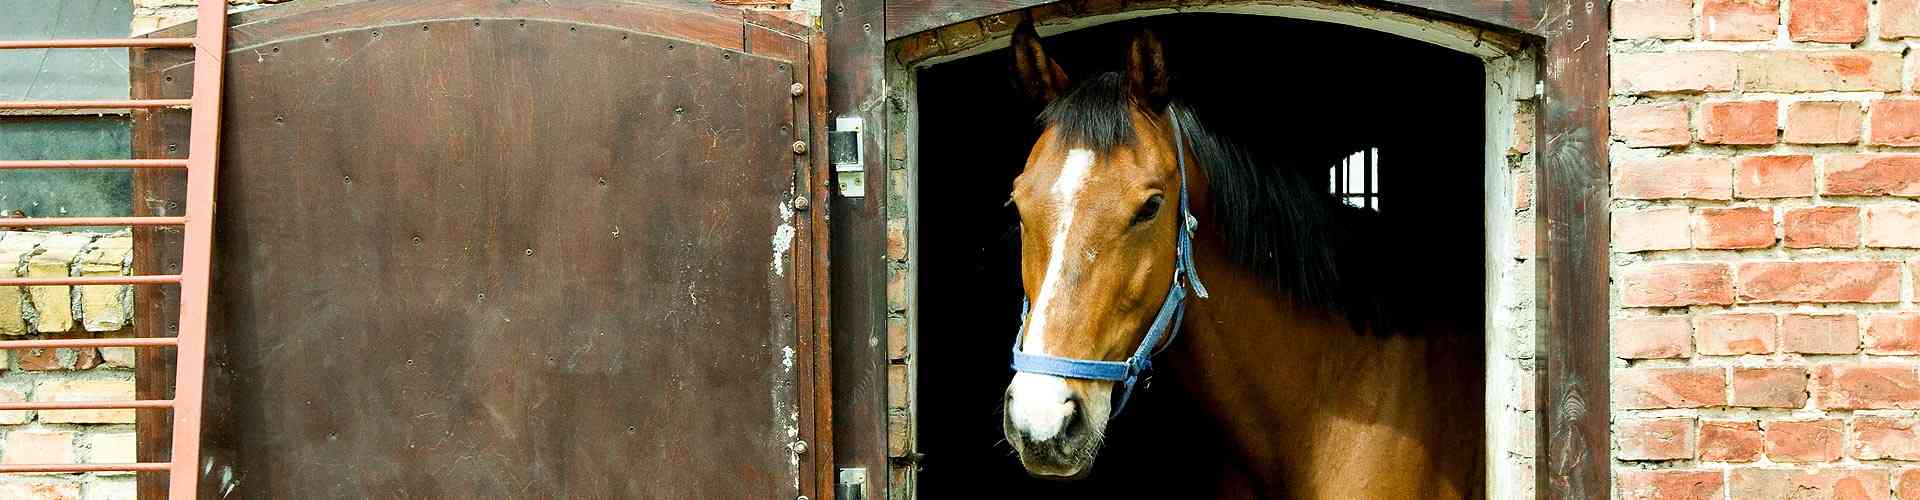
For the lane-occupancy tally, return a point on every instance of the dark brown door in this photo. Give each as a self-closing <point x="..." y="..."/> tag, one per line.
<point x="483" y="249"/>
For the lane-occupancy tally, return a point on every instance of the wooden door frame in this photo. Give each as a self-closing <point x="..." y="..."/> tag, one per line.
<point x="1571" y="223"/>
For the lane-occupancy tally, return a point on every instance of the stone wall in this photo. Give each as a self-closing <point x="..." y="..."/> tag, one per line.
<point x="65" y="312"/>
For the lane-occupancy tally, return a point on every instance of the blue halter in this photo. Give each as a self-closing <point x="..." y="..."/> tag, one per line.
<point x="1165" y="324"/>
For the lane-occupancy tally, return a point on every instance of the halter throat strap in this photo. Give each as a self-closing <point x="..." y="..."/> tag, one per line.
<point x="1165" y="324"/>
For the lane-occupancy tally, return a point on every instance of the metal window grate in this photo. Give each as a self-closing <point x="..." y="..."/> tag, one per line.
<point x="209" y="44"/>
<point x="1355" y="179"/>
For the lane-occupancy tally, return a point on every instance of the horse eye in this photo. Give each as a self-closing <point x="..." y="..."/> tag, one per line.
<point x="1148" y="210"/>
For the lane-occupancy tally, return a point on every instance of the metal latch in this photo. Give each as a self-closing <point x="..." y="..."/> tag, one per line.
<point x="853" y="484"/>
<point x="843" y="148"/>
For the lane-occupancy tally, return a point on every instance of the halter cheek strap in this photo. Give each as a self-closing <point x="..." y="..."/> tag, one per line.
<point x="1165" y="324"/>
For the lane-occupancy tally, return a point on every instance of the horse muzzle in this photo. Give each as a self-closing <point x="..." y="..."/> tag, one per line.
<point x="1056" y="437"/>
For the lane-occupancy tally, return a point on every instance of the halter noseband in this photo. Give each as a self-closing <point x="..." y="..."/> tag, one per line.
<point x="1165" y="324"/>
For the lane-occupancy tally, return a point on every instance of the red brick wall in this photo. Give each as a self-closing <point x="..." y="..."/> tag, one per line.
<point x="1765" y="237"/>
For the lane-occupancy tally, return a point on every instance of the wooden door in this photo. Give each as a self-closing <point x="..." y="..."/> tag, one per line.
<point x="482" y="249"/>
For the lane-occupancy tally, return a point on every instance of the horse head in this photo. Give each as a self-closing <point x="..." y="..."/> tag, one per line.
<point x="1102" y="216"/>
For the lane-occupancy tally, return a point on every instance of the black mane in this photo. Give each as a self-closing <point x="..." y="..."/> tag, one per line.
<point x="1289" y="232"/>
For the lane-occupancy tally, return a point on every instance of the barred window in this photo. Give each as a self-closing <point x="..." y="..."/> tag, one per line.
<point x="1355" y="179"/>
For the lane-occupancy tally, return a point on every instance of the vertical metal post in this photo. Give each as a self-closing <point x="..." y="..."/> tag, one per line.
<point x="210" y="41"/>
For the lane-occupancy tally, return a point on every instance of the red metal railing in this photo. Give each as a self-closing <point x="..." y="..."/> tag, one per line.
<point x="209" y="43"/>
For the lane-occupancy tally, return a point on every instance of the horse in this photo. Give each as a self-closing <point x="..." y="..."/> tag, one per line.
<point x="1147" y="237"/>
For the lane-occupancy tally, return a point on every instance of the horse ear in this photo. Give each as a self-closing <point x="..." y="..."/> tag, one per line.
<point x="1147" y="69"/>
<point x="1040" y="77"/>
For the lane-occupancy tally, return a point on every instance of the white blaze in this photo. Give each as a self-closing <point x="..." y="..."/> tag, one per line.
<point x="1039" y="402"/>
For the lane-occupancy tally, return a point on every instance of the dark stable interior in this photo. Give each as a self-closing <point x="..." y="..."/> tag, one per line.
<point x="1303" y="94"/>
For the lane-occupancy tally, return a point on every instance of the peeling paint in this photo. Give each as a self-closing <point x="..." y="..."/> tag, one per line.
<point x="782" y="239"/>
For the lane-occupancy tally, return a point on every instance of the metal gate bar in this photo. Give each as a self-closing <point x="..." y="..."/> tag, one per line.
<point x="209" y="43"/>
<point x="127" y="104"/>
<point x="54" y="164"/>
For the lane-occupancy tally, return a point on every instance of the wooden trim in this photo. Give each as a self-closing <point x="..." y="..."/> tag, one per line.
<point x="1574" y="459"/>
<point x="856" y="88"/>
<point x="908" y="17"/>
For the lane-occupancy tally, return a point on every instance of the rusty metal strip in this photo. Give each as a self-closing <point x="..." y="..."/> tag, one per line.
<point x="85" y="343"/>
<point x="151" y="279"/>
<point x="86" y="405"/>
<point x="127" y="104"/>
<point x="67" y="164"/>
<point x="99" y="43"/>
<point x="210" y="41"/>
<point x="33" y="468"/>
<point x="93" y="221"/>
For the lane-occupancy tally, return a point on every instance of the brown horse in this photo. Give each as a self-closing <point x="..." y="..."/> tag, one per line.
<point x="1293" y="354"/>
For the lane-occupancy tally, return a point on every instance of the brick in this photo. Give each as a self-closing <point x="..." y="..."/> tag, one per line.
<point x="1656" y="229"/>
<point x="1651" y="388"/>
<point x="106" y="308"/>
<point x="1795" y="484"/>
<point x="1774" y="176"/>
<point x="1897" y="333"/>
<point x="1656" y="19"/>
<point x="1899" y="19"/>
<point x="1783" y="387"/>
<point x="1838" y="281"/>
<point x="1820" y="333"/>
<point x="1653" y="125"/>
<point x="1805" y="440"/>
<point x="1822" y="122"/>
<point x="38" y="447"/>
<point x="112" y="488"/>
<point x="897" y="427"/>
<point x="52" y="306"/>
<point x="897" y="239"/>
<point x="1673" y="285"/>
<point x="1696" y="177"/>
<point x="40" y="491"/>
<point x="1735" y="333"/>
<point x="1885" y="438"/>
<point x="897" y="385"/>
<point x="1728" y="228"/>
<point x="1740" y="122"/>
<point x="1872" y="175"/>
<point x="1675" y="72"/>
<point x="1866" y="386"/>
<point x="15" y="417"/>
<point x="896" y="338"/>
<point x="15" y="247"/>
<point x="1524" y="125"/>
<point x="1909" y="488"/>
<point x="1669" y="484"/>
<point x="1652" y="337"/>
<point x="56" y="359"/>
<point x="85" y="390"/>
<point x="1731" y="441"/>
<point x="1654" y="439"/>
<point x="1807" y="71"/>
<point x="1822" y="227"/>
<point x="1892" y="227"/>
<point x="109" y="447"/>
<point x="1894" y="122"/>
<point x="117" y="357"/>
<point x="1522" y="191"/>
<point x="1831" y="21"/>
<point x="1739" y="20"/>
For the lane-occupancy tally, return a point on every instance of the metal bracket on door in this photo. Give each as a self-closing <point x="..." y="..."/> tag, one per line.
<point x="843" y="148"/>
<point x="853" y="484"/>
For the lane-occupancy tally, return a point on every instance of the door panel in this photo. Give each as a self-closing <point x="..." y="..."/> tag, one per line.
<point x="474" y="250"/>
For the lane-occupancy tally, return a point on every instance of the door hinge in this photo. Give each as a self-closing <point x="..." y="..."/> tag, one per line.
<point x="843" y="149"/>
<point x="853" y="484"/>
